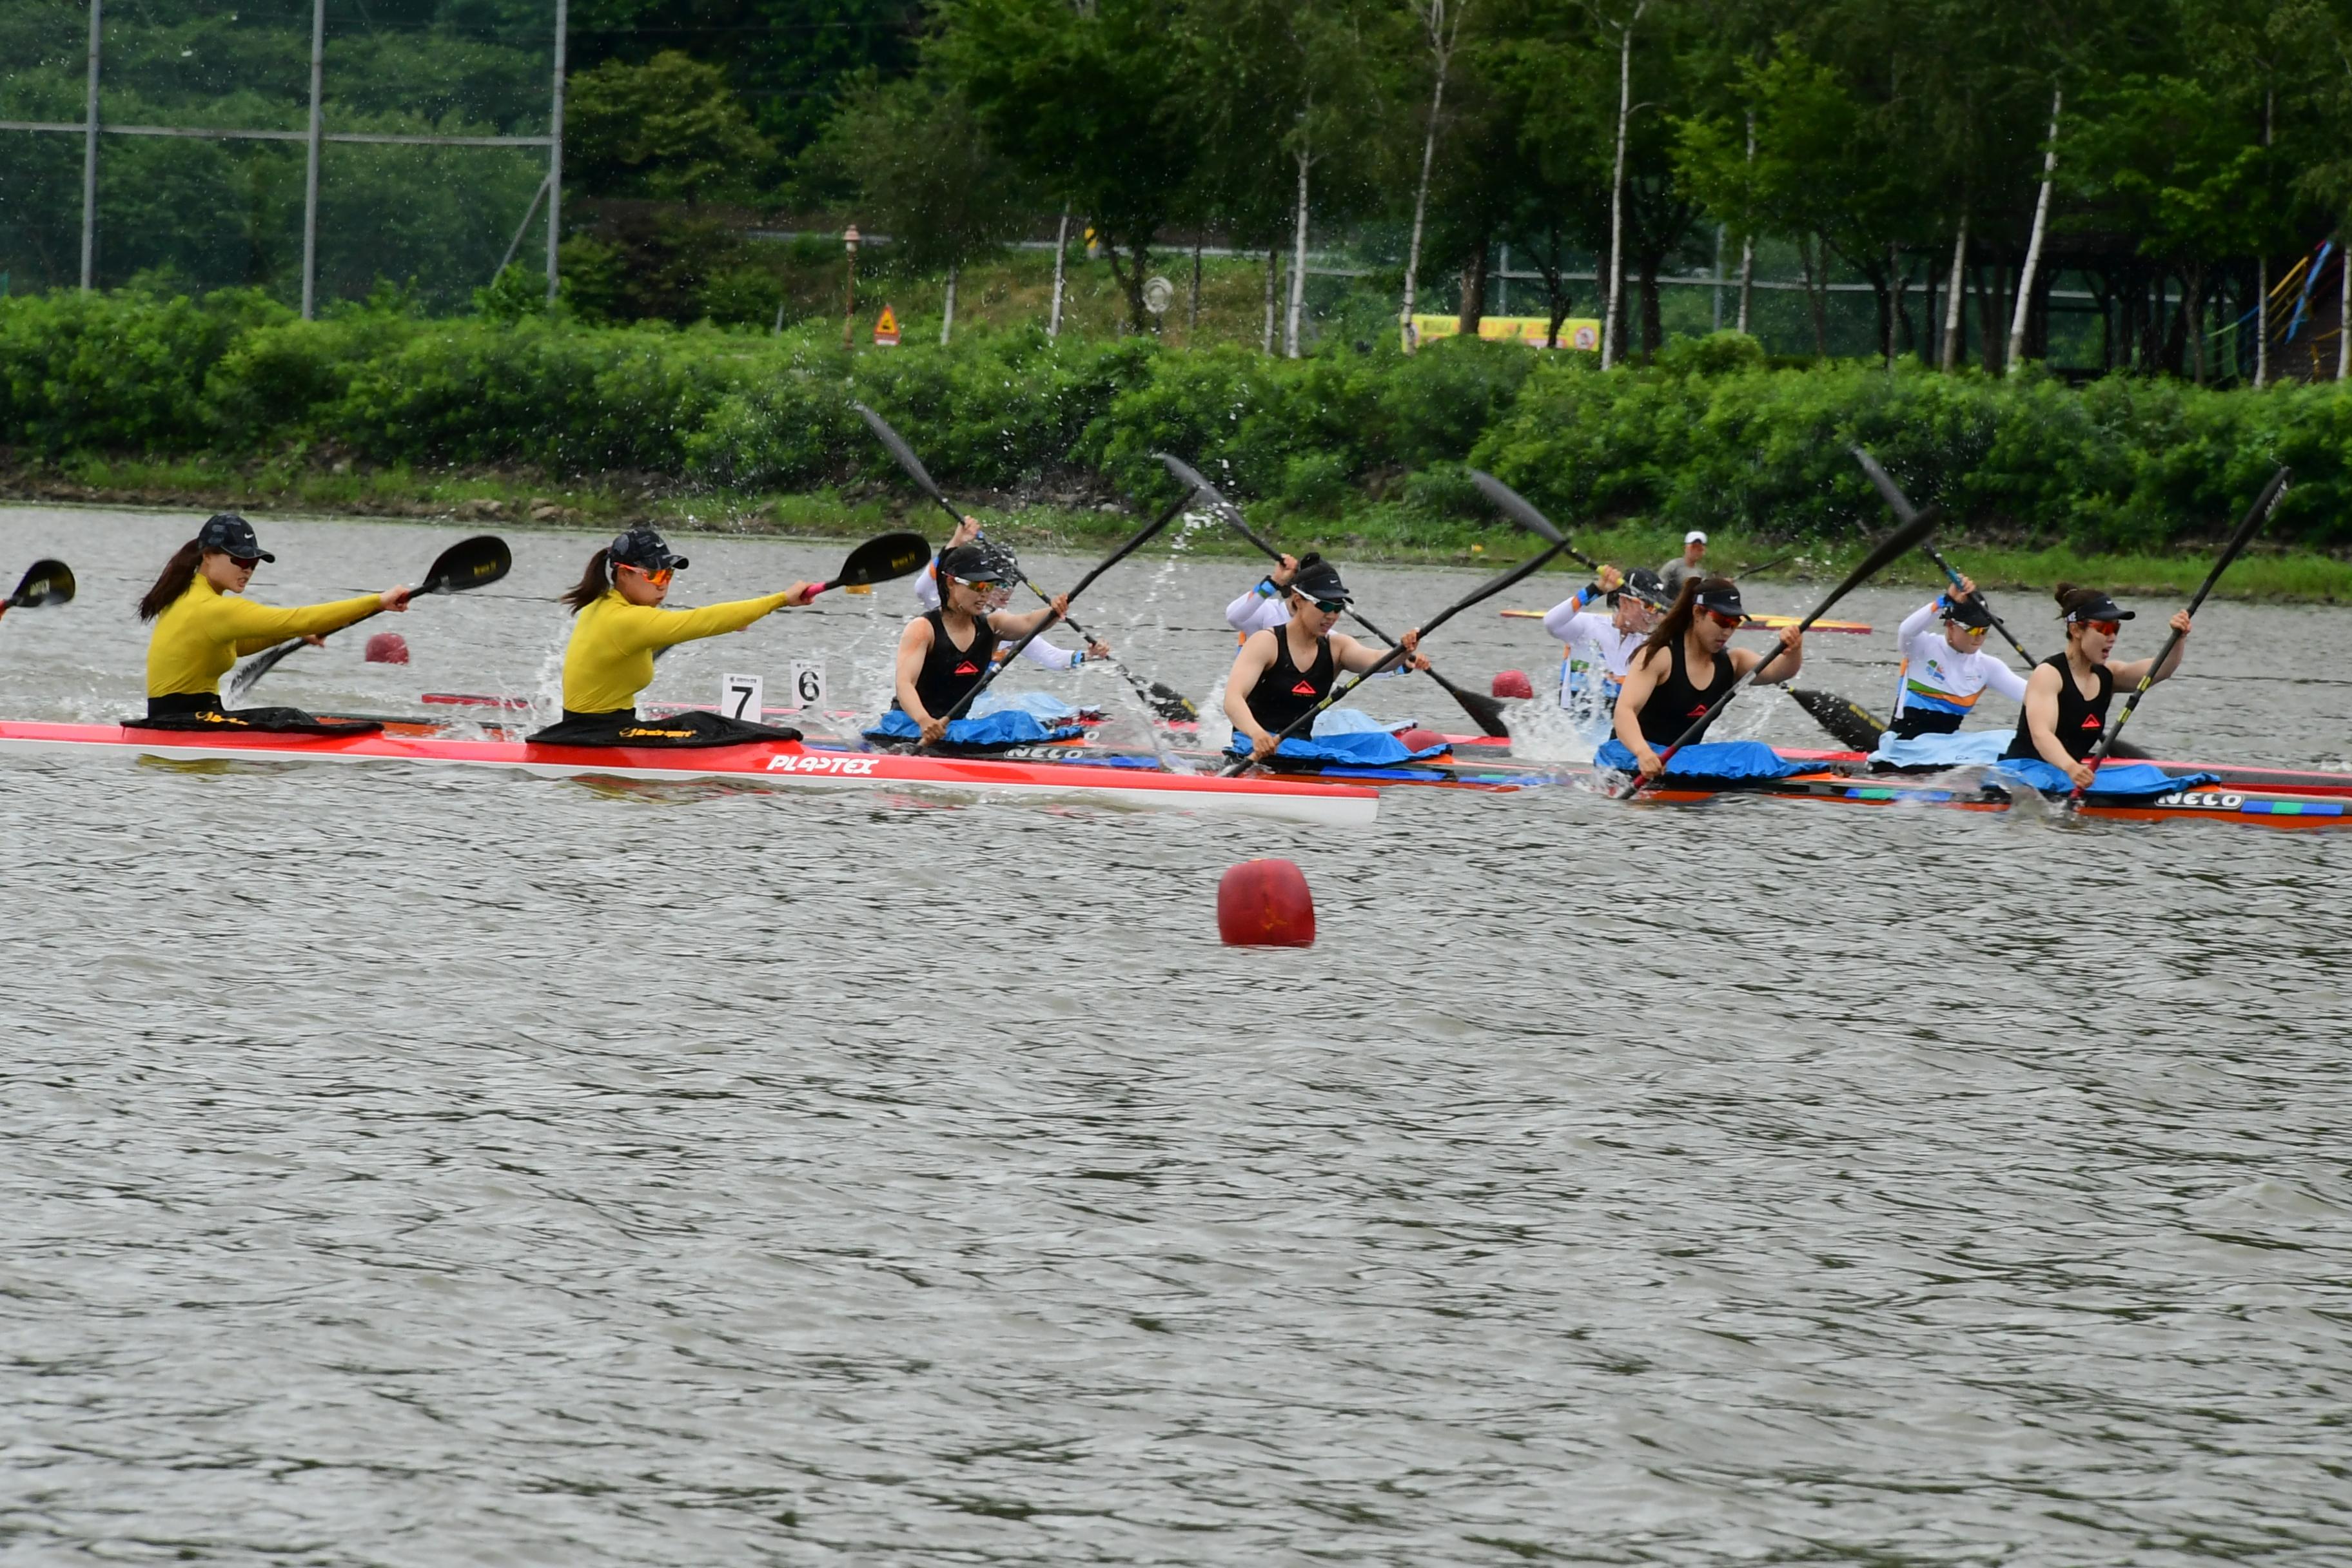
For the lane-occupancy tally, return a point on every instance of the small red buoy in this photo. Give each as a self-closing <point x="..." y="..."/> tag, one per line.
<point x="387" y="648"/>
<point x="1420" y="739"/>
<point x="1265" y="903"/>
<point x="1512" y="683"/>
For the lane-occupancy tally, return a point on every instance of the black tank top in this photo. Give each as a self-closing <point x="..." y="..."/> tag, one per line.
<point x="1675" y="704"/>
<point x="1281" y="693"/>
<point x="2082" y="722"/>
<point x="949" y="671"/>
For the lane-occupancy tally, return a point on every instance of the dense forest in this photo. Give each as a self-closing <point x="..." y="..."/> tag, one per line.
<point x="2157" y="182"/>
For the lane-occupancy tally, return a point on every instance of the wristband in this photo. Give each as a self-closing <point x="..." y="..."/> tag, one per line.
<point x="1265" y="588"/>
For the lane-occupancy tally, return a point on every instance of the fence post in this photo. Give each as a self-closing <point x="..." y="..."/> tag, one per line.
<point x="310" y="176"/>
<point x="89" y="159"/>
<point x="555" y="152"/>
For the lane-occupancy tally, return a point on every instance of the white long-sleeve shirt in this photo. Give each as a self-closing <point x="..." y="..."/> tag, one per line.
<point x="1039" y="651"/>
<point x="1597" y="656"/>
<point x="1938" y="679"/>
<point x="1257" y="610"/>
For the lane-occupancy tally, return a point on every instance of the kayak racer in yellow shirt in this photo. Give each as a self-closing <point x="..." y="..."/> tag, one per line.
<point x="621" y="624"/>
<point x="204" y="624"/>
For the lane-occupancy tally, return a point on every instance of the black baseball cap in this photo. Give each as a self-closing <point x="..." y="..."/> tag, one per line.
<point x="645" y="549"/>
<point x="1646" y="586"/>
<point x="977" y="563"/>
<point x="1319" y="579"/>
<point x="1968" y="612"/>
<point x="227" y="532"/>
<point x="1723" y="598"/>
<point x="2101" y="608"/>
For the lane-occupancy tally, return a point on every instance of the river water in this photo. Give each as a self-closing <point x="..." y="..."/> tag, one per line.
<point x="417" y="1169"/>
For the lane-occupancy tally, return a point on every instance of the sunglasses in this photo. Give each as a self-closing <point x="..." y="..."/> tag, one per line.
<point x="1730" y="623"/>
<point x="658" y="579"/>
<point x="1329" y="606"/>
<point x="2104" y="628"/>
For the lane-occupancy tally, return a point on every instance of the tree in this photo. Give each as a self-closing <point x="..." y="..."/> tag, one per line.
<point x="671" y="128"/>
<point x="1440" y="24"/>
<point x="913" y="154"/>
<point x="1089" y="102"/>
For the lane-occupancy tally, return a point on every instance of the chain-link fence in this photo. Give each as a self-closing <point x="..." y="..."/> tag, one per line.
<point x="307" y="149"/>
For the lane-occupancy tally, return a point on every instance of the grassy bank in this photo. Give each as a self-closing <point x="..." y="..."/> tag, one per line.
<point x="1371" y="532"/>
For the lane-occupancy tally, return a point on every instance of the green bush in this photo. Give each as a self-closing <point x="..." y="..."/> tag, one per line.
<point x="1713" y="437"/>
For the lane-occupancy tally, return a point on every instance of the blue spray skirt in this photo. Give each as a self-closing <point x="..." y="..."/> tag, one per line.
<point x="1959" y="749"/>
<point x="1708" y="760"/>
<point x="2115" y="781"/>
<point x="1006" y="727"/>
<point x="1361" y="749"/>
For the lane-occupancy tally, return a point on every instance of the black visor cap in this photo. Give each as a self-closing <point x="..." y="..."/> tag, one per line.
<point x="645" y="549"/>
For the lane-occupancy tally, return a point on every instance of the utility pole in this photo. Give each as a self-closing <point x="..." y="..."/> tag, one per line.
<point x="89" y="157"/>
<point x="311" y="176"/>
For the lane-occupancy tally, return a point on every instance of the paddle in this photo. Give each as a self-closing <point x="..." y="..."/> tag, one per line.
<point x="1521" y="510"/>
<point x="1113" y="559"/>
<point x="473" y="563"/>
<point x="1484" y="710"/>
<point x="45" y="582"/>
<point x="1850" y="724"/>
<point x="2255" y="516"/>
<point x="884" y="558"/>
<point x="1903" y="513"/>
<point x="1903" y="538"/>
<point x="1162" y="698"/>
<point x="1493" y="586"/>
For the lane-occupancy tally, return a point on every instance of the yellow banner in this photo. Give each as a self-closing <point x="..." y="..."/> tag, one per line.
<point x="1576" y="332"/>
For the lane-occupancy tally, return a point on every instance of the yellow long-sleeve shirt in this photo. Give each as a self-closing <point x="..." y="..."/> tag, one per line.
<point x="610" y="655"/>
<point x="206" y="631"/>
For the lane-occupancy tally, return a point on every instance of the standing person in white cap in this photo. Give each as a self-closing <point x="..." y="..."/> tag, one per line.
<point x="1690" y="564"/>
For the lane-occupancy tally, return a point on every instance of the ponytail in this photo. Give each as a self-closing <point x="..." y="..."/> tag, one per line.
<point x="178" y="572"/>
<point x="591" y="585"/>
<point x="2073" y="596"/>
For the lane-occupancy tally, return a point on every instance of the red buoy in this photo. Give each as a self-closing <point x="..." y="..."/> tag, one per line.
<point x="1420" y="739"/>
<point x="387" y="648"/>
<point x="1512" y="683"/>
<point x="1265" y="903"/>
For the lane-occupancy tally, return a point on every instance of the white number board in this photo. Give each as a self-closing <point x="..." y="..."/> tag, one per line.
<point x="808" y="682"/>
<point x="741" y="697"/>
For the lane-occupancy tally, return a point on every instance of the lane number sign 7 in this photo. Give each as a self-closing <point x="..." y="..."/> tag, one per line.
<point x="741" y="697"/>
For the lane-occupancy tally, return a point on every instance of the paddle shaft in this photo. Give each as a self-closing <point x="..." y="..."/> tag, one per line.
<point x="2238" y="541"/>
<point x="1113" y="559"/>
<point x="1999" y="626"/>
<point x="1521" y="510"/>
<point x="1893" y="545"/>
<point x="1484" y="710"/>
<point x="1305" y="721"/>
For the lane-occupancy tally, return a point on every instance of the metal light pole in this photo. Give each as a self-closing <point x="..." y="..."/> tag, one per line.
<point x="555" y="151"/>
<point x="849" y="295"/>
<point x="310" y="177"/>
<point x="89" y="157"/>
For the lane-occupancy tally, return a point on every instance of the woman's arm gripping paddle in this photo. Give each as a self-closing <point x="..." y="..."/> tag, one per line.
<point x="1894" y="544"/>
<point x="1484" y="710"/>
<point x="1168" y="703"/>
<point x="2168" y="657"/>
<point x="474" y="562"/>
<point x="1407" y="649"/>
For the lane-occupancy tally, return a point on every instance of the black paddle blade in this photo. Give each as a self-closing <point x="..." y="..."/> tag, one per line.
<point x="45" y="582"/>
<point x="902" y="453"/>
<point x="1517" y="507"/>
<point x="1901" y="541"/>
<point x="1850" y="724"/>
<point x="474" y="562"/>
<point x="1484" y="710"/>
<point x="1889" y="491"/>
<point x="1172" y="706"/>
<point x="885" y="558"/>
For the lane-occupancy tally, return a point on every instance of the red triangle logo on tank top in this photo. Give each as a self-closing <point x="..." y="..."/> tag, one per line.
<point x="2090" y="721"/>
<point x="967" y="667"/>
<point x="1304" y="689"/>
<point x="1695" y="712"/>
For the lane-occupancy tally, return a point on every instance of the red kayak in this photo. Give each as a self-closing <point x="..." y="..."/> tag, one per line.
<point x="787" y="763"/>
